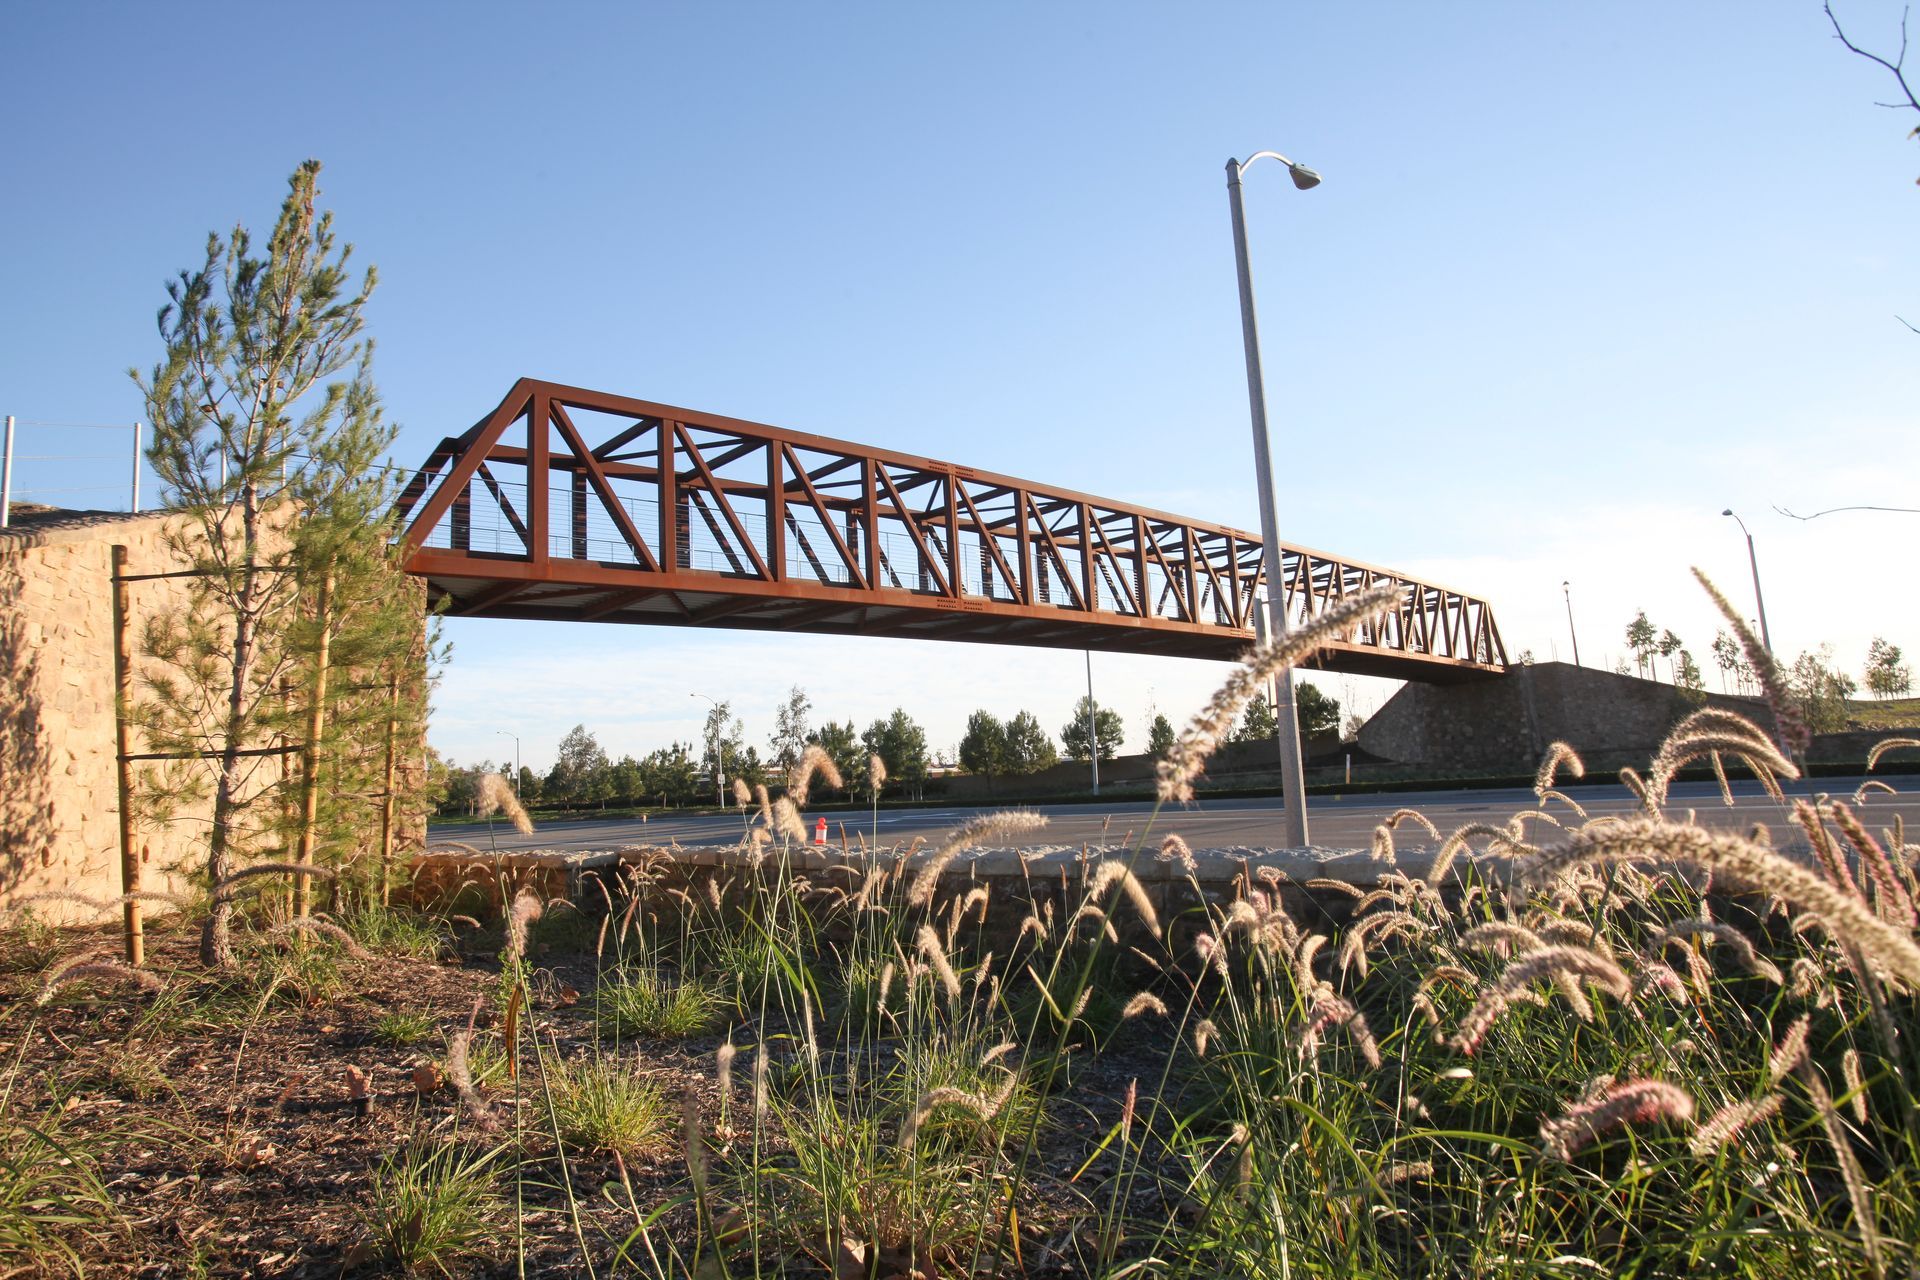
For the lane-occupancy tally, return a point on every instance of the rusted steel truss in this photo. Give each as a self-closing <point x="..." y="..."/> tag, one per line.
<point x="580" y="506"/>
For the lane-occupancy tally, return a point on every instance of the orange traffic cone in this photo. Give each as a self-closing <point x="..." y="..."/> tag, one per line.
<point x="820" y="831"/>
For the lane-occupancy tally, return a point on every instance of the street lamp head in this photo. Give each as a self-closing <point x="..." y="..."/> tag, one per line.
<point x="1303" y="177"/>
<point x="1728" y="512"/>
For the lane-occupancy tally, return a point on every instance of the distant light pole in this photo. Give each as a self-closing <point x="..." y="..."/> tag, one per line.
<point x="719" y="755"/>
<point x="1566" y="589"/>
<point x="1093" y="729"/>
<point x="516" y="759"/>
<point x="1754" y="564"/>
<point x="1293" y="785"/>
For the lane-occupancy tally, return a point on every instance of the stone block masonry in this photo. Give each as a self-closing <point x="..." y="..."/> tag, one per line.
<point x="59" y="792"/>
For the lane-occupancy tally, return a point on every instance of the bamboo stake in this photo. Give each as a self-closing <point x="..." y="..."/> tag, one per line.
<point x="134" y="927"/>
<point x="310" y="754"/>
<point x="386" y="793"/>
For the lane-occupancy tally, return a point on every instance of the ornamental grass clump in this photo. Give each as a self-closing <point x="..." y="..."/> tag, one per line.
<point x="1604" y="1038"/>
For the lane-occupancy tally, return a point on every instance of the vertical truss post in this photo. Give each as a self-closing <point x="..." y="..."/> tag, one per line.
<point x="1023" y="547"/>
<point x="1089" y="581"/>
<point x="537" y="482"/>
<point x="673" y="554"/>
<point x="870" y="521"/>
<point x="955" y="588"/>
<point x="776" y="516"/>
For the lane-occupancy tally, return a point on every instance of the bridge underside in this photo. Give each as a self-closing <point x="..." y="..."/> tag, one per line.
<point x="677" y="518"/>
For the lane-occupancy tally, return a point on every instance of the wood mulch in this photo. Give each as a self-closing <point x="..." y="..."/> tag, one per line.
<point x="229" y="1143"/>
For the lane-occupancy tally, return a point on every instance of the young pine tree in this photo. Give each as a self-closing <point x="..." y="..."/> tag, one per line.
<point x="266" y="427"/>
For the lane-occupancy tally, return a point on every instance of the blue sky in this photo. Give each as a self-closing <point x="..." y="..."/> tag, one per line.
<point x="1578" y="278"/>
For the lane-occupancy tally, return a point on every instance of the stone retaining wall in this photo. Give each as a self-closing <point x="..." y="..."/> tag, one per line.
<point x="59" y="795"/>
<point x="1504" y="724"/>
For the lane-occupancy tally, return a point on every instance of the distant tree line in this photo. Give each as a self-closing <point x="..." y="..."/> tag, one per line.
<point x="695" y="773"/>
<point x="1817" y="686"/>
<point x="690" y="773"/>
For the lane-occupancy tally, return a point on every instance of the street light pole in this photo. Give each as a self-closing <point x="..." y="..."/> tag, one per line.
<point x="1754" y="564"/>
<point x="516" y="759"/>
<point x="719" y="756"/>
<point x="1293" y="786"/>
<point x="1566" y="589"/>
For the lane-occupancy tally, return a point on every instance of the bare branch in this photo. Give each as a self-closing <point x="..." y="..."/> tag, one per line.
<point x="1897" y="66"/>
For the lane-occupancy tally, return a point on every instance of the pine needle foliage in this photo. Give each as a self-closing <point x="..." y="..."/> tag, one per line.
<point x="267" y="431"/>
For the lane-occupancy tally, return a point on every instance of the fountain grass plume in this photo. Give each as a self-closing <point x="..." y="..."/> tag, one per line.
<point x="1558" y="754"/>
<point x="1363" y="933"/>
<point x="1791" y="726"/>
<point x="983" y="827"/>
<point x="1331" y="1010"/>
<point x="1870" y="785"/>
<point x="1890" y="894"/>
<point x="1503" y="937"/>
<point x="496" y="796"/>
<point x="527" y="907"/>
<point x="1380" y="847"/>
<point x="1144" y="1002"/>
<point x="102" y="969"/>
<point x="224" y="891"/>
<point x="1682" y="747"/>
<point x="1726" y="1124"/>
<point x="1750" y="865"/>
<point x="1790" y="1051"/>
<point x="1174" y="848"/>
<point x="1451" y="848"/>
<point x="1204" y="1033"/>
<point x="876" y="774"/>
<point x="936" y="956"/>
<point x="1885" y="745"/>
<point x="786" y="821"/>
<point x="1851" y="1175"/>
<point x="742" y="793"/>
<point x="1681" y="933"/>
<point x="983" y="1108"/>
<point x="1629" y="1102"/>
<point x="1576" y="963"/>
<point x="1303" y="956"/>
<point x="326" y="929"/>
<point x="1414" y="816"/>
<point x="1856" y="1083"/>
<point x="98" y="905"/>
<point x="461" y="1074"/>
<point x="1186" y="760"/>
<point x="979" y="896"/>
<point x="1112" y="872"/>
<point x="813" y="762"/>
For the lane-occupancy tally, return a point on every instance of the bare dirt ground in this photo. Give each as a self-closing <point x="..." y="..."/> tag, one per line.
<point x="220" y="1112"/>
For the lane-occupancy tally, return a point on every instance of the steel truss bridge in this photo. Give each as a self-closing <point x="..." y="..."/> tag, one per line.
<point x="572" y="505"/>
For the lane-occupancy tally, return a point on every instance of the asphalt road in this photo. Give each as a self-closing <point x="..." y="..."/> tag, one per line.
<point x="1344" y="822"/>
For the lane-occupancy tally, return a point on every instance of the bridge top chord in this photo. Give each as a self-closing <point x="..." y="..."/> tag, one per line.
<point x="574" y="505"/>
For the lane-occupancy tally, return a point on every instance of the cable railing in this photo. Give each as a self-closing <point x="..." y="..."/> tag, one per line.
<point x="56" y="460"/>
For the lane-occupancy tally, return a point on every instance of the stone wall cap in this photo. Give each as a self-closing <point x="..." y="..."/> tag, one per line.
<point x="58" y="525"/>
